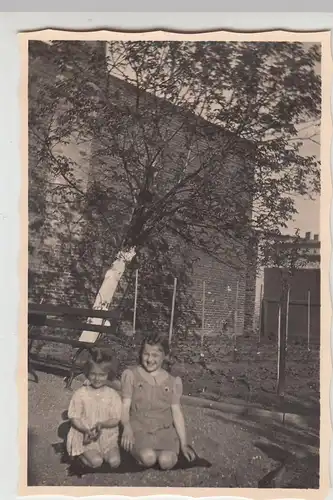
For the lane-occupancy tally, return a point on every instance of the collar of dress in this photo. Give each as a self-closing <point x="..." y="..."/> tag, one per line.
<point x="158" y="378"/>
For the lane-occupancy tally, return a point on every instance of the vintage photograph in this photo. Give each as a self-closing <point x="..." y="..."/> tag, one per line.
<point x="174" y="263"/>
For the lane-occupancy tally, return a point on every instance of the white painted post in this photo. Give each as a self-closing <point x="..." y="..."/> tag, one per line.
<point x="172" y="310"/>
<point x="260" y="312"/>
<point x="203" y="312"/>
<point x="309" y="318"/>
<point x="135" y="300"/>
<point x="287" y="317"/>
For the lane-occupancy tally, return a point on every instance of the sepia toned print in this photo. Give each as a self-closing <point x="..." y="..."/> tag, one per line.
<point x="175" y="293"/>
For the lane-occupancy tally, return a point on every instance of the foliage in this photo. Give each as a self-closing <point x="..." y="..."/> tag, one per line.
<point x="197" y="141"/>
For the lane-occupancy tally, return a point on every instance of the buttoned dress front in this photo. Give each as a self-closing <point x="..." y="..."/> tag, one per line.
<point x="92" y="406"/>
<point x="150" y="414"/>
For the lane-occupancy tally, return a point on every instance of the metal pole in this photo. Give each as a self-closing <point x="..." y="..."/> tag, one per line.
<point x="287" y="317"/>
<point x="172" y="309"/>
<point x="203" y="312"/>
<point x="309" y="318"/>
<point x="278" y="344"/>
<point x="135" y="300"/>
<point x="236" y="316"/>
<point x="236" y="307"/>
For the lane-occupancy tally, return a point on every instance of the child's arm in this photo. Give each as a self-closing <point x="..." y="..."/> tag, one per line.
<point x="179" y="423"/>
<point x="115" y="413"/>
<point x="76" y="412"/>
<point x="79" y="425"/>
<point x="125" y="413"/>
<point x="108" y="424"/>
<point x="88" y="434"/>
<point x="127" y="438"/>
<point x="127" y="381"/>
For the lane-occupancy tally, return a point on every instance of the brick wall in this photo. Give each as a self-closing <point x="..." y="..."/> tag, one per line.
<point x="70" y="269"/>
<point x="222" y="273"/>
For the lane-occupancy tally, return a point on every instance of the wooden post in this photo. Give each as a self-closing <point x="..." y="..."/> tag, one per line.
<point x="281" y="382"/>
<point x="135" y="300"/>
<point x="172" y="310"/>
<point x="203" y="313"/>
<point x="287" y="317"/>
<point x="309" y="318"/>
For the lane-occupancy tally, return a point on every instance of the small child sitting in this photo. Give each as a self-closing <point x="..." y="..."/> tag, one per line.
<point x="94" y="413"/>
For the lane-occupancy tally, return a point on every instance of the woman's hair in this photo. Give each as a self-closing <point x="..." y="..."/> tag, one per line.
<point x="155" y="339"/>
<point x="104" y="357"/>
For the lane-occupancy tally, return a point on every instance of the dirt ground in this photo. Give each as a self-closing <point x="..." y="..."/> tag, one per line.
<point x="240" y="449"/>
<point x="220" y="372"/>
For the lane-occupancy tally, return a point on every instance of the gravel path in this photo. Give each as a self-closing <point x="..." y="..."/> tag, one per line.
<point x="226" y="442"/>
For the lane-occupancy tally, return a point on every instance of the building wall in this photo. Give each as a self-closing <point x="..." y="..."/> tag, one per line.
<point x="306" y="249"/>
<point x="71" y="271"/>
<point x="303" y="281"/>
<point x="232" y="263"/>
<point x="55" y="223"/>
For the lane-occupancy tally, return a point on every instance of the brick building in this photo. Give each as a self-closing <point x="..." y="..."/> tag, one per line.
<point x="304" y="288"/>
<point x="68" y="250"/>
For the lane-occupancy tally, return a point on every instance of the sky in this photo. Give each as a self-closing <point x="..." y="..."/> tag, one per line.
<point x="308" y="217"/>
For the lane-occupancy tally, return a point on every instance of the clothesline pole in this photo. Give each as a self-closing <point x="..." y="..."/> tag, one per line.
<point x="309" y="318"/>
<point x="135" y="300"/>
<point x="172" y="310"/>
<point x="287" y="317"/>
<point x="236" y="317"/>
<point x="278" y="344"/>
<point x="203" y="313"/>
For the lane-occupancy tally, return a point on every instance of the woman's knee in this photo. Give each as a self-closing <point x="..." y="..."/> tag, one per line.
<point x="167" y="460"/>
<point x="147" y="457"/>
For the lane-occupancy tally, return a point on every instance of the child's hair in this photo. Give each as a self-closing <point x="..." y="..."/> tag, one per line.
<point x="99" y="356"/>
<point x="155" y="339"/>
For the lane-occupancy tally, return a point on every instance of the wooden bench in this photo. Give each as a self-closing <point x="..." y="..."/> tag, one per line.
<point x="61" y="316"/>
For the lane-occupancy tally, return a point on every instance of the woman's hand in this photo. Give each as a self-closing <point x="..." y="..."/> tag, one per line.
<point x="127" y="438"/>
<point x="188" y="452"/>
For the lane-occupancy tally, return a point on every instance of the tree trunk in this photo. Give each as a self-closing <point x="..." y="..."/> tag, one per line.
<point x="283" y="340"/>
<point x="108" y="288"/>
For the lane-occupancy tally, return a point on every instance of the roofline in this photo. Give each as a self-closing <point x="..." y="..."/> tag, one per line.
<point x="247" y="143"/>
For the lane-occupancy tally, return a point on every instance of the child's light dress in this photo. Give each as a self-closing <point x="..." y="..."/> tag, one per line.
<point x="150" y="414"/>
<point x="91" y="406"/>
